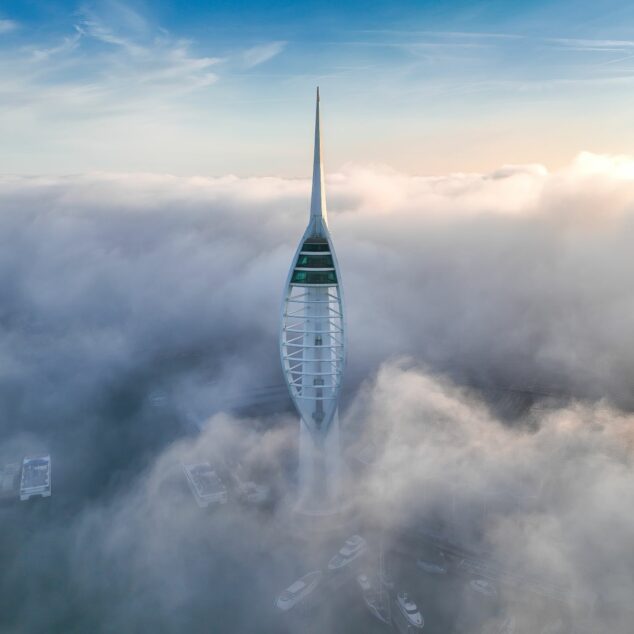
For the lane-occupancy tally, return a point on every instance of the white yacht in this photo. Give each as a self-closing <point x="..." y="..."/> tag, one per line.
<point x="364" y="583"/>
<point x="434" y="564"/>
<point x="407" y="616"/>
<point x="298" y="590"/>
<point x="375" y="599"/>
<point x="484" y="587"/>
<point x="353" y="548"/>
<point x="378" y="608"/>
<point x="36" y="477"/>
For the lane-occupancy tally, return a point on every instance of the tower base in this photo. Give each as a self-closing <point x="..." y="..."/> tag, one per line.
<point x="320" y="492"/>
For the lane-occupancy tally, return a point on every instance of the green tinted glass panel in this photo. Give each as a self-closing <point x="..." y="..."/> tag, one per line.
<point x="314" y="277"/>
<point x="299" y="276"/>
<point x="315" y="261"/>
<point x="316" y="246"/>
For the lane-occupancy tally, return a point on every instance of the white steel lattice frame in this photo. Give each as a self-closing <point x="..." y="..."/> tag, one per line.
<point x="312" y="345"/>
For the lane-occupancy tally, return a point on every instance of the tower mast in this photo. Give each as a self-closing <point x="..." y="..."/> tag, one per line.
<point x="318" y="209"/>
<point x="312" y="350"/>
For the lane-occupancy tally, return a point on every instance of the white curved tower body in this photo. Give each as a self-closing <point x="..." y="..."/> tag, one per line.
<point x="313" y="351"/>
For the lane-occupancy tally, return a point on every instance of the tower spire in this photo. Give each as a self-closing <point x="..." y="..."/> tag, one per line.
<point x="313" y="352"/>
<point x="318" y="211"/>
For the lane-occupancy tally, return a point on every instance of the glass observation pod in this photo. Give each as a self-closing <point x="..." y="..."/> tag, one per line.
<point x="312" y="342"/>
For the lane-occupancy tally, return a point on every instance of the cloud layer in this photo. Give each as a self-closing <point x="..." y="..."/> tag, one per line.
<point x="134" y="308"/>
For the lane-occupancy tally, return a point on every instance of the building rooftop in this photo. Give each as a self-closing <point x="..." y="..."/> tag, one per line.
<point x="205" y="484"/>
<point x="36" y="477"/>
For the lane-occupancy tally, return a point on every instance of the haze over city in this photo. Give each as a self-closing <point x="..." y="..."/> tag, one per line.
<point x="168" y="198"/>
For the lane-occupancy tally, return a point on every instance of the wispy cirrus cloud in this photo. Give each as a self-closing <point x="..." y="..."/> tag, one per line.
<point x="65" y="45"/>
<point x="6" y="26"/>
<point x="592" y="44"/>
<point x="263" y="53"/>
<point x="150" y="55"/>
<point x="114" y="61"/>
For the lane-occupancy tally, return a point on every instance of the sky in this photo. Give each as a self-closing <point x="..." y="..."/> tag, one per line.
<point x="212" y="88"/>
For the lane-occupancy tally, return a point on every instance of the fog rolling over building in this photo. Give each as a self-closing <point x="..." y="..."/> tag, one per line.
<point x="312" y="350"/>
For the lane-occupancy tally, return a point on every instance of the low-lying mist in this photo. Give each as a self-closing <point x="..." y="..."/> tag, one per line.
<point x="139" y="318"/>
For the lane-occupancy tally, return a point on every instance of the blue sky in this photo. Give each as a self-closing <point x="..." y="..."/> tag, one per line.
<point x="216" y="88"/>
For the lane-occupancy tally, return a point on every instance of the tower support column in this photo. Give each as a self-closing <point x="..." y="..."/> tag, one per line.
<point x="319" y="491"/>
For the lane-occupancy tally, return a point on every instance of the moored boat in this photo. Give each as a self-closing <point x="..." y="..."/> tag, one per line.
<point x="406" y="615"/>
<point x="433" y="563"/>
<point x="298" y="590"/>
<point x="353" y="548"/>
<point x="484" y="587"/>
<point x="375" y="598"/>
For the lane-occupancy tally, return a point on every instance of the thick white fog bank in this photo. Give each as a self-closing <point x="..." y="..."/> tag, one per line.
<point x="549" y="502"/>
<point x="132" y="305"/>
<point x="516" y="277"/>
